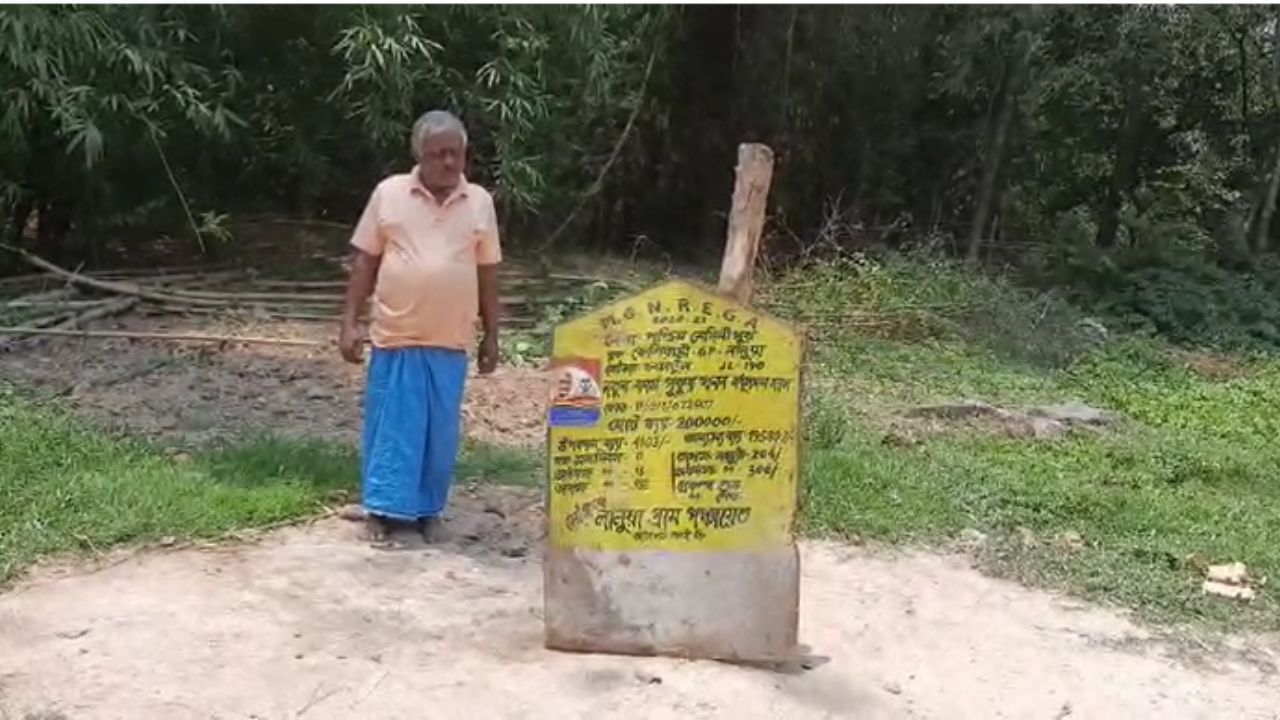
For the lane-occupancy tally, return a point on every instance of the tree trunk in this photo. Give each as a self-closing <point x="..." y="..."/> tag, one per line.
<point x="1125" y="175"/>
<point x="1267" y="205"/>
<point x="998" y="137"/>
<point x="1267" y="210"/>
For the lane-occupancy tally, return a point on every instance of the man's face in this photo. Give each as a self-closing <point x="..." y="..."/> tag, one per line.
<point x="442" y="160"/>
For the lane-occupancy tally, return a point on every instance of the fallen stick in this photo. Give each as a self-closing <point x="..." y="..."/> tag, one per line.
<point x="49" y="320"/>
<point x="169" y="270"/>
<point x="103" y="310"/>
<point x="172" y="337"/>
<point x="317" y="299"/>
<point x="36" y="324"/>
<point x="297" y="221"/>
<point x="253" y="297"/>
<point x="103" y="285"/>
<point x="241" y="312"/>
<point x="511" y="321"/>
<point x="303" y="284"/>
<point x="66" y="322"/>
<point x="163" y="280"/>
<point x="41" y="297"/>
<point x="20" y="280"/>
<point x="21" y="304"/>
<point x="512" y="280"/>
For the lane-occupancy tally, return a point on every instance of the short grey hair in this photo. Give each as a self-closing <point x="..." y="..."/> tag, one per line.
<point x="431" y="123"/>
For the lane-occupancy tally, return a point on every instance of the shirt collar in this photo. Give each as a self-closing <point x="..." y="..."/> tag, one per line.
<point x="417" y="188"/>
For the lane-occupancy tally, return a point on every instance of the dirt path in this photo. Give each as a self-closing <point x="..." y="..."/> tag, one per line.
<point x="311" y="623"/>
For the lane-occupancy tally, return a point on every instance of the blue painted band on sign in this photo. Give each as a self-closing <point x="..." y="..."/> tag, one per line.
<point x="574" y="417"/>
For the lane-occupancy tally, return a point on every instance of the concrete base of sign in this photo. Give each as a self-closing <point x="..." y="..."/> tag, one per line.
<point x="737" y="606"/>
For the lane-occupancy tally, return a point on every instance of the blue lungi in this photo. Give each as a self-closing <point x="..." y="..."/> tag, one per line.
<point x="412" y="419"/>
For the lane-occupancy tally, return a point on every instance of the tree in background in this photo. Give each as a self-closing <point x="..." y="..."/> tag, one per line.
<point x="1062" y="140"/>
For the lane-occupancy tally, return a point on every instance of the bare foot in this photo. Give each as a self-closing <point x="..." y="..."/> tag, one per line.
<point x="376" y="530"/>
<point x="432" y="530"/>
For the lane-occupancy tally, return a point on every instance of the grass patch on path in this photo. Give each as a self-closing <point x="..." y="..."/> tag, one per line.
<point x="65" y="487"/>
<point x="1112" y="516"/>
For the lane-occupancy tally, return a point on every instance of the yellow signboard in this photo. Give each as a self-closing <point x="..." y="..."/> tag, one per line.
<point x="674" y="425"/>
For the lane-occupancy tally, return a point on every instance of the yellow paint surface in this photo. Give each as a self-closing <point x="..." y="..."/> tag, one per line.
<point x="675" y="427"/>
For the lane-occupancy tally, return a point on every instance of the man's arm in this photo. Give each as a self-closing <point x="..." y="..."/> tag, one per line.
<point x="364" y="272"/>
<point x="490" y="316"/>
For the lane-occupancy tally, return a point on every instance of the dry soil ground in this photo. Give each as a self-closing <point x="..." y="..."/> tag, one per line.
<point x="202" y="393"/>
<point x="311" y="622"/>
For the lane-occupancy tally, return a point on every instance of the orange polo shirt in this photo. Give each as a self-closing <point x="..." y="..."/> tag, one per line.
<point x="427" y="293"/>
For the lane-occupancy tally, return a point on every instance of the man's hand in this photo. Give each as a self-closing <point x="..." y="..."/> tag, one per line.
<point x="364" y="271"/>
<point x="489" y="354"/>
<point x="351" y="342"/>
<point x="490" y="309"/>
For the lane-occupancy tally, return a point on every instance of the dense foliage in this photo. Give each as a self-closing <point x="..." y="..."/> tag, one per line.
<point x="1085" y="146"/>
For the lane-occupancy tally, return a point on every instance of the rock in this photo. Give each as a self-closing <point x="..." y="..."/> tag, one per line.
<point x="317" y="392"/>
<point x="1231" y="573"/>
<point x="1235" y="592"/>
<point x="1017" y="425"/>
<point x="1231" y="580"/>
<point x="963" y="410"/>
<point x="893" y="688"/>
<point x="1074" y="413"/>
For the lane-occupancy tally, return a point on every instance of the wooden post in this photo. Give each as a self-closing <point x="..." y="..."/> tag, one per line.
<point x="746" y="220"/>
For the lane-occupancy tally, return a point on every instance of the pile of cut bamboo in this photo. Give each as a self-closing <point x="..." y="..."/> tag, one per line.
<point x="56" y="301"/>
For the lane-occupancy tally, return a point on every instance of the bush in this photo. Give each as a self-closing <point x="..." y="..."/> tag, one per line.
<point x="922" y="296"/>
<point x="1192" y="301"/>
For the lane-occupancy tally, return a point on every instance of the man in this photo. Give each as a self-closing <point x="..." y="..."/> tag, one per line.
<point x="427" y="249"/>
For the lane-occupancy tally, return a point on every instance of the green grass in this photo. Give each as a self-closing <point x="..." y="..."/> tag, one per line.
<point x="65" y="487"/>
<point x="502" y="465"/>
<point x="1195" y="468"/>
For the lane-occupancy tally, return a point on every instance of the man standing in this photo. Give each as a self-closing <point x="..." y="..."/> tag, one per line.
<point x="427" y="249"/>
